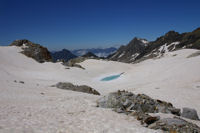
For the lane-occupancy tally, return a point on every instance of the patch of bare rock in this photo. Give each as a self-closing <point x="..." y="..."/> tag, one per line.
<point x="81" y="88"/>
<point x="140" y="106"/>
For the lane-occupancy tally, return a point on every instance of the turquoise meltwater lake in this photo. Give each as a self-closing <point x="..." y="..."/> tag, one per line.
<point x="109" y="78"/>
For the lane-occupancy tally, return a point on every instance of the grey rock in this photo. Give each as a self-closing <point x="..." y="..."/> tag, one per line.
<point x="175" y="125"/>
<point x="175" y="111"/>
<point x="149" y="120"/>
<point x="139" y="106"/>
<point x="109" y="101"/>
<point x="22" y="82"/>
<point x="74" y="62"/>
<point x="190" y="114"/>
<point x="118" y="110"/>
<point x="194" y="54"/>
<point x="129" y="101"/>
<point x="81" y="88"/>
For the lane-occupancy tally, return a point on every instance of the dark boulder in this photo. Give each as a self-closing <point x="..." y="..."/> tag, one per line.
<point x="149" y="120"/>
<point x="175" y="125"/>
<point x="190" y="114"/>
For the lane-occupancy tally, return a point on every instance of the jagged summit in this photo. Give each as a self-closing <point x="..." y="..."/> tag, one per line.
<point x="140" y="49"/>
<point x="33" y="50"/>
<point x="129" y="52"/>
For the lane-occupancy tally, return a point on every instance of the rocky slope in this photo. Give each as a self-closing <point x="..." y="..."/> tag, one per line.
<point x="129" y="52"/>
<point x="33" y="50"/>
<point x="63" y="55"/>
<point x="139" y="49"/>
<point x="140" y="106"/>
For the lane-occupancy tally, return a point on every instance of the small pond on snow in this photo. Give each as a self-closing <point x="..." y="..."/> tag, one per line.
<point x="111" y="77"/>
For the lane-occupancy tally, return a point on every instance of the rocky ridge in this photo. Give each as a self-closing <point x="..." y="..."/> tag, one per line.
<point x="139" y="49"/>
<point x="141" y="106"/>
<point x="33" y="50"/>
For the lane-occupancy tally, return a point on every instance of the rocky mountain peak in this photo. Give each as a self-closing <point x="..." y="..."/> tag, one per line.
<point x="140" y="49"/>
<point x="33" y="50"/>
<point x="21" y="42"/>
<point x="129" y="52"/>
<point x="65" y="50"/>
<point x="171" y="33"/>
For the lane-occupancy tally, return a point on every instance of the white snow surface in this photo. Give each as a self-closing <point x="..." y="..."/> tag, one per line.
<point x="144" y="41"/>
<point x="122" y="54"/>
<point x="35" y="107"/>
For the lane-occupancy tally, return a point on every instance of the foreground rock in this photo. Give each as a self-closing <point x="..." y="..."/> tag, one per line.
<point x="190" y="114"/>
<point x="35" y="51"/>
<point x="139" y="106"/>
<point x="128" y="101"/>
<point x="81" y="88"/>
<point x="74" y="62"/>
<point x="90" y="55"/>
<point x="175" y="125"/>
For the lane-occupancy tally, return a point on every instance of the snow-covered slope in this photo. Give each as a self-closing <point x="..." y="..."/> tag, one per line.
<point x="36" y="107"/>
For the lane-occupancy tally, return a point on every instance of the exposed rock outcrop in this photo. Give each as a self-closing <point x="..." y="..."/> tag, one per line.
<point x="140" y="106"/>
<point x="128" y="101"/>
<point x="81" y="88"/>
<point x="130" y="52"/>
<point x="175" y="125"/>
<point x="74" y="62"/>
<point x="35" y="51"/>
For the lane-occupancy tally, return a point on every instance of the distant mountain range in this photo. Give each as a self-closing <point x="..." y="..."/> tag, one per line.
<point x="64" y="55"/>
<point x="100" y="52"/>
<point x="140" y="49"/>
<point x="135" y="51"/>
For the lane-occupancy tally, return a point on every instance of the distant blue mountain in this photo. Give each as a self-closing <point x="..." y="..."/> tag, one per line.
<point x="62" y="55"/>
<point x="100" y="52"/>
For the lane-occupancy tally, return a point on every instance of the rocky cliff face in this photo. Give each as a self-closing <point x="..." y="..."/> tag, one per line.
<point x="35" y="51"/>
<point x="129" y="52"/>
<point x="139" y="49"/>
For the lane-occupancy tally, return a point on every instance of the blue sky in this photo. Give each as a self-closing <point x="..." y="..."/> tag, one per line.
<point x="76" y="24"/>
